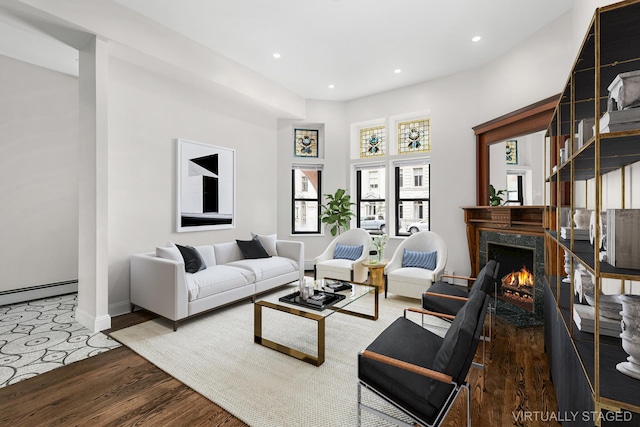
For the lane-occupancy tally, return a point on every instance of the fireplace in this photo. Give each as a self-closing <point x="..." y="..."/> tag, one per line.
<point x="516" y="277"/>
<point x="516" y="227"/>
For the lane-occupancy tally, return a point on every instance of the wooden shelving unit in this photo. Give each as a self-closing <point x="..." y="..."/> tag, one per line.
<point x="583" y="365"/>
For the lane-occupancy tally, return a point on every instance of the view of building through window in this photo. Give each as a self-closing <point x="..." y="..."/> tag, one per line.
<point x="411" y="198"/>
<point x="306" y="199"/>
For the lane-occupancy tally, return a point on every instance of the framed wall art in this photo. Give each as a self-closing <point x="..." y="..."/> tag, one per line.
<point x="512" y="152"/>
<point x="205" y="186"/>
<point x="306" y="143"/>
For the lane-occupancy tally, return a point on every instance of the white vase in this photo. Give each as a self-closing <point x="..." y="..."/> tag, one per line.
<point x="581" y="218"/>
<point x="630" y="335"/>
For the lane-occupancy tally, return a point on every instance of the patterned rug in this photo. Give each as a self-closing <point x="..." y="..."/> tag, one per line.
<point x="38" y="336"/>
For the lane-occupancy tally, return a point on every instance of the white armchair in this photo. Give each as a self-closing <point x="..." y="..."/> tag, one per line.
<point x="344" y="269"/>
<point x="413" y="281"/>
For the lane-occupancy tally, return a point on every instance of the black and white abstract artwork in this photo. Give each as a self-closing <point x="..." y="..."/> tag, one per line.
<point x="38" y="336"/>
<point x="205" y="186"/>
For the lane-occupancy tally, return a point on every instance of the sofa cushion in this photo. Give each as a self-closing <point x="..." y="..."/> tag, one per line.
<point x="268" y="242"/>
<point x="216" y="279"/>
<point x="413" y="275"/>
<point x="252" y="249"/>
<point x="207" y="254"/>
<point x="193" y="262"/>
<point x="267" y="268"/>
<point x="426" y="260"/>
<point x="169" y="252"/>
<point x="347" y="252"/>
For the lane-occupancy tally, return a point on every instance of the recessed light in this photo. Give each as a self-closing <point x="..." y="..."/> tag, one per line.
<point x="476" y="39"/>
<point x="331" y="86"/>
<point x="397" y="71"/>
<point x="276" y="55"/>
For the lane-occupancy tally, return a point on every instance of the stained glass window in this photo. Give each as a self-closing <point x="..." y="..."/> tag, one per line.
<point x="373" y="141"/>
<point x="414" y="136"/>
<point x="306" y="143"/>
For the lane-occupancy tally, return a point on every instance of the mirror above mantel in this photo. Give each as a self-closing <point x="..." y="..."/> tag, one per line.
<point x="526" y="123"/>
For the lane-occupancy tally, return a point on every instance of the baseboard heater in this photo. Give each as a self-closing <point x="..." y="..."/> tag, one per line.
<point x="31" y="293"/>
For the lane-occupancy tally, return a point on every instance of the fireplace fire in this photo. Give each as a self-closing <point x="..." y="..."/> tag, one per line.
<point x="518" y="286"/>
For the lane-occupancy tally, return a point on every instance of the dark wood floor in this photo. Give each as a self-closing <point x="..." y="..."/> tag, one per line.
<point x="120" y="388"/>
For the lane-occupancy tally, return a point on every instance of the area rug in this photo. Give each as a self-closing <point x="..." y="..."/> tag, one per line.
<point x="215" y="355"/>
<point x="38" y="336"/>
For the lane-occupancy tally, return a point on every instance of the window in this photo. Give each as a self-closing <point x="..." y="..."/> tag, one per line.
<point x="373" y="180"/>
<point x="412" y="203"/>
<point x="401" y="179"/>
<point x="515" y="188"/>
<point x="370" y="198"/>
<point x="306" y="190"/>
<point x="417" y="177"/>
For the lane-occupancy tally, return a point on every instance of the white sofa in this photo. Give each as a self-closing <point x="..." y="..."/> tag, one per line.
<point x="162" y="286"/>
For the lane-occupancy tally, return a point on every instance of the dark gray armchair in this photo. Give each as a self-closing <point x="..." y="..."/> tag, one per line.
<point x="419" y="372"/>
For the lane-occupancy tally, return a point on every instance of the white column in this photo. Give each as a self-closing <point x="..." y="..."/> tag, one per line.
<point x="93" y="284"/>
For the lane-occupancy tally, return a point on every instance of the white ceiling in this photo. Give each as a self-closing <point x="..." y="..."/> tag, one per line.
<point x="353" y="44"/>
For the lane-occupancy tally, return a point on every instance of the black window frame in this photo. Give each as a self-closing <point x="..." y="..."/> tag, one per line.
<point x="359" y="197"/>
<point x="398" y="200"/>
<point x="295" y="199"/>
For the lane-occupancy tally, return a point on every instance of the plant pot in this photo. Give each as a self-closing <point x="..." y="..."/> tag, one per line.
<point x="630" y="335"/>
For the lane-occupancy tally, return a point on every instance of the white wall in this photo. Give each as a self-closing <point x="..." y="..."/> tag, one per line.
<point x="146" y="113"/>
<point x="38" y="175"/>
<point x="535" y="70"/>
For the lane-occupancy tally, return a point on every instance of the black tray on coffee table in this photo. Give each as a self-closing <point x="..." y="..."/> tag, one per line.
<point x="325" y="300"/>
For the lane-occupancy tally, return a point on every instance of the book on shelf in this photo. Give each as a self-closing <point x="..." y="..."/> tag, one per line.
<point x="623" y="238"/>
<point x="583" y="317"/>
<point x="578" y="233"/>
<point x="618" y="127"/>
<point x="618" y="120"/>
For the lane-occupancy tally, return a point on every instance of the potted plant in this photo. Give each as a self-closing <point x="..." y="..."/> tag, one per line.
<point x="495" y="197"/>
<point x="337" y="212"/>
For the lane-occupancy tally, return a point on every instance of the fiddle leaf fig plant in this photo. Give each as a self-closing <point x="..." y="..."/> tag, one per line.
<point x="337" y="212"/>
<point x="495" y="197"/>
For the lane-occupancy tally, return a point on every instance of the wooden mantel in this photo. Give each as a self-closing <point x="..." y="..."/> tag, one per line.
<point x="526" y="220"/>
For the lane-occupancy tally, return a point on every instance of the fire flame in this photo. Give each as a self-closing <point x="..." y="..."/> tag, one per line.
<point x="519" y="278"/>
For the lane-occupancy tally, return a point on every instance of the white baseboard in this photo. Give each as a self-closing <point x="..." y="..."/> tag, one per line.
<point x="38" y="292"/>
<point x="308" y="265"/>
<point x="94" y="324"/>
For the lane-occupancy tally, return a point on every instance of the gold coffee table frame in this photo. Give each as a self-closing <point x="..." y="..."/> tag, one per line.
<point x="318" y="316"/>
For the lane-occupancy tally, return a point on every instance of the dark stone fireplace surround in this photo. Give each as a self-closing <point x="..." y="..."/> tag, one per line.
<point x="514" y="226"/>
<point x="510" y="312"/>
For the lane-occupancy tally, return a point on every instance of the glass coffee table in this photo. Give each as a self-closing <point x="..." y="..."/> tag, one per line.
<point x="273" y="302"/>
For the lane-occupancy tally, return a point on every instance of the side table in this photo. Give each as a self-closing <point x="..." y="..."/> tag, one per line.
<point x="376" y="273"/>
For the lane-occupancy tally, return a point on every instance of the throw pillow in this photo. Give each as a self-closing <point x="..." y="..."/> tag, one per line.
<point x="169" y="252"/>
<point x="425" y="260"/>
<point x="268" y="242"/>
<point x="252" y="249"/>
<point x="193" y="262"/>
<point x="347" y="252"/>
